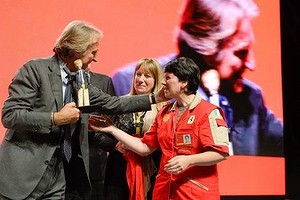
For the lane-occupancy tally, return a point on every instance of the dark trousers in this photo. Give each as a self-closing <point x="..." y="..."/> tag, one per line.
<point x="77" y="182"/>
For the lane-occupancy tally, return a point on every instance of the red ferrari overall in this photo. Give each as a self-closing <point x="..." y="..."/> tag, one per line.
<point x="201" y="128"/>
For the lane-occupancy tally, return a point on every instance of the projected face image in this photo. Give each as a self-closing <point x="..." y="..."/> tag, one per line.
<point x="236" y="55"/>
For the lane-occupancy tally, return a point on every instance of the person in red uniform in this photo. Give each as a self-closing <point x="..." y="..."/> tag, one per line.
<point x="191" y="132"/>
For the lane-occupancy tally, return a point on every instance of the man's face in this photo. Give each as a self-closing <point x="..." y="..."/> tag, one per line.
<point x="87" y="57"/>
<point x="235" y="54"/>
<point x="90" y="55"/>
<point x="211" y="81"/>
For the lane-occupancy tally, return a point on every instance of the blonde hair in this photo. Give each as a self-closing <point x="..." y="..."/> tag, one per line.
<point x="154" y="68"/>
<point x="77" y="36"/>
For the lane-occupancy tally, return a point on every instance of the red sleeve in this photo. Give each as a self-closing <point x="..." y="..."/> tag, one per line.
<point x="150" y="137"/>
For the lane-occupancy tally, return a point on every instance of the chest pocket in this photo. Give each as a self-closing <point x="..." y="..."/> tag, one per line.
<point x="186" y="140"/>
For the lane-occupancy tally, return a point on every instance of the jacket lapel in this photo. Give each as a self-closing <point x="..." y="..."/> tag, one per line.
<point x="56" y="82"/>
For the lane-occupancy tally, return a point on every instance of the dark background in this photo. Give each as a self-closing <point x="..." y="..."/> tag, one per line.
<point x="290" y="37"/>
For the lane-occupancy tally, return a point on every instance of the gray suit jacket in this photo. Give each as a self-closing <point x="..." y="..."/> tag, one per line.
<point x="31" y="140"/>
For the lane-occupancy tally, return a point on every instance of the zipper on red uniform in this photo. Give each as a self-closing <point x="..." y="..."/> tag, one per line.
<point x="174" y="119"/>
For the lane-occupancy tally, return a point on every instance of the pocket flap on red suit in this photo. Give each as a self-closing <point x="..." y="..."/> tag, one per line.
<point x="221" y="122"/>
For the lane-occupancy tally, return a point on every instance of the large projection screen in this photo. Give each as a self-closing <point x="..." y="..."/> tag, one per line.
<point x="135" y="29"/>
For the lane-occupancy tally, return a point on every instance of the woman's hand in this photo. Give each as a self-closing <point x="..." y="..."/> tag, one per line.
<point x="121" y="147"/>
<point x="177" y="164"/>
<point x="100" y="123"/>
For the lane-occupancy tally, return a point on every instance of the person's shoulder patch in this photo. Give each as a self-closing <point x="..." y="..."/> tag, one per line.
<point x="218" y="128"/>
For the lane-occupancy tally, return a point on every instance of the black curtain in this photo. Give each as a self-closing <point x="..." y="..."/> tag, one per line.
<point x="290" y="41"/>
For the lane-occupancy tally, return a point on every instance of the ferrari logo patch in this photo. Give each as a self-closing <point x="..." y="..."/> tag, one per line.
<point x="191" y="119"/>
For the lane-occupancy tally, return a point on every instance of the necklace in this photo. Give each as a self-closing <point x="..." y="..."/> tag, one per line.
<point x="138" y="120"/>
<point x="181" y="110"/>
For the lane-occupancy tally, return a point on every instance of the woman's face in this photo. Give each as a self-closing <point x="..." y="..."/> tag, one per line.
<point x="143" y="82"/>
<point x="172" y="86"/>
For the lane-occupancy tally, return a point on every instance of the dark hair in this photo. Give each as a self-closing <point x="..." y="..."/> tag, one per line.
<point x="185" y="69"/>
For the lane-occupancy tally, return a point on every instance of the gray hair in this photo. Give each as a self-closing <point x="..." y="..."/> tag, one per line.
<point x="204" y="23"/>
<point x="77" y="36"/>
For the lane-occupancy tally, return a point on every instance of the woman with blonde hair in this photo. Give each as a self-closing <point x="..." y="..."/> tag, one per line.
<point x="121" y="178"/>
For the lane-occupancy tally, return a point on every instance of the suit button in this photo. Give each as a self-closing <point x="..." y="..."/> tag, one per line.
<point x="47" y="162"/>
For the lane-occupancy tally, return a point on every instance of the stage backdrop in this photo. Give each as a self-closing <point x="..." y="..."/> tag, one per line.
<point x="135" y="29"/>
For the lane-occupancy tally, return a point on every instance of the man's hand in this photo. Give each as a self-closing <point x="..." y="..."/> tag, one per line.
<point x="69" y="114"/>
<point x="160" y="96"/>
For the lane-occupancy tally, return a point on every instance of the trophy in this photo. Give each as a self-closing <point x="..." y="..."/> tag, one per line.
<point x="82" y="90"/>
